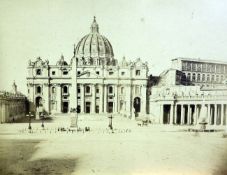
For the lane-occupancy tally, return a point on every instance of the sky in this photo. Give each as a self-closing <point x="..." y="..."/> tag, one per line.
<point x="154" y="30"/>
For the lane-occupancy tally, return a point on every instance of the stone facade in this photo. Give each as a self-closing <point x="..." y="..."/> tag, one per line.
<point x="93" y="81"/>
<point x="13" y="105"/>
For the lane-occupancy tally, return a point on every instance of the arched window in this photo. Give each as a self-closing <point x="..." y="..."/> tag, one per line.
<point x="193" y="77"/>
<point x="217" y="78"/>
<point x="203" y="77"/>
<point x="65" y="89"/>
<point x="198" y="77"/>
<point x="122" y="90"/>
<point x="208" y="77"/>
<point x="38" y="89"/>
<point x="110" y="89"/>
<point x="87" y="89"/>
<point x="189" y="77"/>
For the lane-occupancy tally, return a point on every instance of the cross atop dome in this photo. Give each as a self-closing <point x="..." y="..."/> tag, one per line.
<point x="94" y="26"/>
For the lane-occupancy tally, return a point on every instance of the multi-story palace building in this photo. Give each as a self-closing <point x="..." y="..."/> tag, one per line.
<point x="202" y="72"/>
<point x="13" y="105"/>
<point x="94" y="81"/>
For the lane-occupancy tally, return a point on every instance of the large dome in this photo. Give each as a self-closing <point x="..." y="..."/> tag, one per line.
<point x="94" y="45"/>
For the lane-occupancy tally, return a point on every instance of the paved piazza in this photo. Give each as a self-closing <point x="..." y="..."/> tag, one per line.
<point x="131" y="149"/>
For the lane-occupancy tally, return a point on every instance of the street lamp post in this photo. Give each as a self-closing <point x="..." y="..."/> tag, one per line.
<point x="29" y="115"/>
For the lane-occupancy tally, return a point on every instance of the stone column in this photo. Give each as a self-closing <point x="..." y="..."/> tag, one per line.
<point x="6" y="112"/>
<point x="218" y="114"/>
<point x="182" y="114"/>
<point x="208" y="114"/>
<point x="222" y="114"/>
<point x="59" y="98"/>
<point x="171" y="114"/>
<point x="93" y="104"/>
<point x="82" y="107"/>
<point x="3" y="112"/>
<point x="143" y="99"/>
<point x="129" y="102"/>
<point x="188" y="115"/>
<point x="161" y="114"/>
<point x="195" y="115"/>
<point x="1" y="116"/>
<point x="46" y="97"/>
<point x="101" y="98"/>
<point x="225" y="114"/>
<point x="215" y="114"/>
<point x="116" y="98"/>
<point x="175" y="114"/>
<point x="105" y="99"/>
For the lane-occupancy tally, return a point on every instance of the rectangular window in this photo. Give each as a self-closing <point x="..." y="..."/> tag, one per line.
<point x="188" y="66"/>
<point x="97" y="91"/>
<point x="87" y="89"/>
<point x="137" y="72"/>
<point x="110" y="73"/>
<point x="199" y="67"/>
<point x="193" y="67"/>
<point x="97" y="109"/>
<point x="78" y="90"/>
<point x="184" y="66"/>
<point x="65" y="72"/>
<point x="204" y="67"/>
<point x="38" y="72"/>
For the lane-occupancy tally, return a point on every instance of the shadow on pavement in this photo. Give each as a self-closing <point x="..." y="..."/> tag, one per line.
<point x="16" y="153"/>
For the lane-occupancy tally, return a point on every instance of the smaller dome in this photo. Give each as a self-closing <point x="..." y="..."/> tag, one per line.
<point x="62" y="62"/>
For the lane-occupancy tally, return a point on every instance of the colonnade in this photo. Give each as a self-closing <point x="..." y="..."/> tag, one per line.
<point x="192" y="114"/>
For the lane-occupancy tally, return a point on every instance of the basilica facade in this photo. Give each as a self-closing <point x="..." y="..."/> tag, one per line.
<point x="92" y="82"/>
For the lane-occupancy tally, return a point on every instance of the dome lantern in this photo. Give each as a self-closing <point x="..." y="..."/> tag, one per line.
<point x="94" y="26"/>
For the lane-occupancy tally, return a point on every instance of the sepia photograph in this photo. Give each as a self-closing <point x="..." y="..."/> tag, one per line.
<point x="113" y="87"/>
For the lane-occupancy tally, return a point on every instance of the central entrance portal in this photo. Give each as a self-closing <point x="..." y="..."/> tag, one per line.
<point x="65" y="107"/>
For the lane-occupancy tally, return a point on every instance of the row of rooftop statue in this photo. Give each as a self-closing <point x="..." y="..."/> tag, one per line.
<point x="85" y="61"/>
